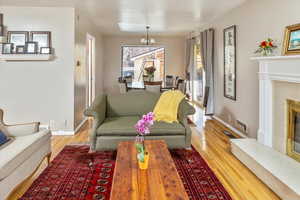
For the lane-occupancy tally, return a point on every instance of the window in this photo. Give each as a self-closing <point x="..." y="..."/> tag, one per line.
<point x="136" y="59"/>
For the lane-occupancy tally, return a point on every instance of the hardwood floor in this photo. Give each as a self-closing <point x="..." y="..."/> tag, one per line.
<point x="212" y="144"/>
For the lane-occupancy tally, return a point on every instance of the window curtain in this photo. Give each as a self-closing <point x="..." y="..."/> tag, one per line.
<point x="207" y="53"/>
<point x="189" y="61"/>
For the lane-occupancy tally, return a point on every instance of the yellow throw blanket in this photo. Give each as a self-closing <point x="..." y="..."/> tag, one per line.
<point x="167" y="106"/>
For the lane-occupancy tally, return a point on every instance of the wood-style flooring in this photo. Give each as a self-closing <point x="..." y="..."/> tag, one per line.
<point x="214" y="147"/>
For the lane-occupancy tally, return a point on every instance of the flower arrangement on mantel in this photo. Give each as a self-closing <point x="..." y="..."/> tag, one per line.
<point x="266" y="47"/>
<point x="143" y="129"/>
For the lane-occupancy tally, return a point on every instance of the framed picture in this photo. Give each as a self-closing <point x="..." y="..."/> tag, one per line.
<point x="20" y="49"/>
<point x="7" y="48"/>
<point x="31" y="47"/>
<point x="43" y="38"/>
<point x="230" y="62"/>
<point x="45" y="50"/>
<point x="18" y="38"/>
<point x="291" y="43"/>
<point x="1" y="30"/>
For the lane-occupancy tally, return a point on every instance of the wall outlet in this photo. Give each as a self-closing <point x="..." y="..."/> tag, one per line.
<point x="242" y="126"/>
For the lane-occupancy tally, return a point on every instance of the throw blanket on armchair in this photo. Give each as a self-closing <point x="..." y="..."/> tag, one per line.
<point x="167" y="106"/>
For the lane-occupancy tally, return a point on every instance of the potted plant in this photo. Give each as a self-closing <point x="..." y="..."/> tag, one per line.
<point x="150" y="72"/>
<point x="143" y="129"/>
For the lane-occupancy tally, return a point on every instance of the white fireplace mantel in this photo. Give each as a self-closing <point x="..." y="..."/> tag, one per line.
<point x="273" y="68"/>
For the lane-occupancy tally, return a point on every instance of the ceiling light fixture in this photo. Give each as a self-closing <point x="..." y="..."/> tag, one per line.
<point x="147" y="40"/>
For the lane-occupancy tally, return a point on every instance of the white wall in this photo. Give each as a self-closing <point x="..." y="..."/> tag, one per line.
<point x="174" y="58"/>
<point x="256" y="20"/>
<point x="83" y="27"/>
<point x="40" y="91"/>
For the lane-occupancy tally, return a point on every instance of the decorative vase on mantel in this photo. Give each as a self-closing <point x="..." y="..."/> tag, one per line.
<point x="143" y="129"/>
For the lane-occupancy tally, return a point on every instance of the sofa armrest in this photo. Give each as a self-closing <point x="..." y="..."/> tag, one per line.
<point x="22" y="129"/>
<point x="98" y="108"/>
<point x="98" y="111"/>
<point x="186" y="109"/>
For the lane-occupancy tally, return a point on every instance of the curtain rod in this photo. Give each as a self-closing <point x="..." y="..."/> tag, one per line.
<point x="194" y="37"/>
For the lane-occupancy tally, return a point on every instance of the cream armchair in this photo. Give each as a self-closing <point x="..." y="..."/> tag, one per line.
<point x="23" y="155"/>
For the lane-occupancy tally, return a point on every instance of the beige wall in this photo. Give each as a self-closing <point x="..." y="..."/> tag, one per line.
<point x="174" y="47"/>
<point x="40" y="91"/>
<point x="83" y="27"/>
<point x="256" y="20"/>
<point x="52" y="92"/>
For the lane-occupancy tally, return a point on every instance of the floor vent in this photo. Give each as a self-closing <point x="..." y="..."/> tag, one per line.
<point x="229" y="134"/>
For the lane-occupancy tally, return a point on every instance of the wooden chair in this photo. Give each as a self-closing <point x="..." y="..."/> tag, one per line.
<point x="154" y="86"/>
<point x="123" y="86"/>
<point x="181" y="85"/>
<point x="128" y="79"/>
<point x="169" y="81"/>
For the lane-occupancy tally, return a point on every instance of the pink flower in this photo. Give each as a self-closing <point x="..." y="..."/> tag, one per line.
<point x="144" y="124"/>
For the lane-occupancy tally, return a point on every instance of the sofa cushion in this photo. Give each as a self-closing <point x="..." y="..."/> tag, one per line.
<point x="20" y="150"/>
<point x="164" y="128"/>
<point x="131" y="103"/>
<point x="118" y="126"/>
<point x="124" y="126"/>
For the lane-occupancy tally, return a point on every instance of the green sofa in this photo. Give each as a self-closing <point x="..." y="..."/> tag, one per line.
<point x="115" y="117"/>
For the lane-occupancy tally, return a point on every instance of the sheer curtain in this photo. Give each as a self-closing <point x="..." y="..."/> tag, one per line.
<point x="189" y="62"/>
<point x="207" y="52"/>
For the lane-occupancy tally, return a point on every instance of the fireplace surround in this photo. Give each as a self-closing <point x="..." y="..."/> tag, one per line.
<point x="274" y="71"/>
<point x="268" y="157"/>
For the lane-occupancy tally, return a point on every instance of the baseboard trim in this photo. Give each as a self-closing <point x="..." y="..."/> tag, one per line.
<point x="230" y="127"/>
<point x="61" y="132"/>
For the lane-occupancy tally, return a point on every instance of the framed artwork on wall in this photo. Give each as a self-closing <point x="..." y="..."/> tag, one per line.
<point x="18" y="38"/>
<point x="31" y="47"/>
<point x="1" y="25"/>
<point x="229" y="38"/>
<point x="43" y="38"/>
<point x="1" y="30"/>
<point x="7" y="48"/>
<point x="291" y="43"/>
<point x="20" y="49"/>
<point x="45" y="50"/>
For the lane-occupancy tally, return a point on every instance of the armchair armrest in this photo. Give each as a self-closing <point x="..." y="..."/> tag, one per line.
<point x="22" y="129"/>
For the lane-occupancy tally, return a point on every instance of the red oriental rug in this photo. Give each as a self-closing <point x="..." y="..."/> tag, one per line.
<point x="72" y="176"/>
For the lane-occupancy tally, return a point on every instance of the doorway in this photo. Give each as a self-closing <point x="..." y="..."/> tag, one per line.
<point x="90" y="60"/>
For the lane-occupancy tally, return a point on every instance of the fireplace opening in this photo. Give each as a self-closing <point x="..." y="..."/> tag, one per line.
<point x="293" y="129"/>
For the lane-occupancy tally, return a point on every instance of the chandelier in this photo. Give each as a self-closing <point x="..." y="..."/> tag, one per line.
<point x="147" y="40"/>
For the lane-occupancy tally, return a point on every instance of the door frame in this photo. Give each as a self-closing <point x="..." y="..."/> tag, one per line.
<point x="90" y="69"/>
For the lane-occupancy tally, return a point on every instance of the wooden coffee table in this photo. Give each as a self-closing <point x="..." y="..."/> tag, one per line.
<point x="159" y="182"/>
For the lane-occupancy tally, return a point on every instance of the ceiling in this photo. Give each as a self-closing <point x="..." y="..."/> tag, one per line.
<point x="116" y="17"/>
